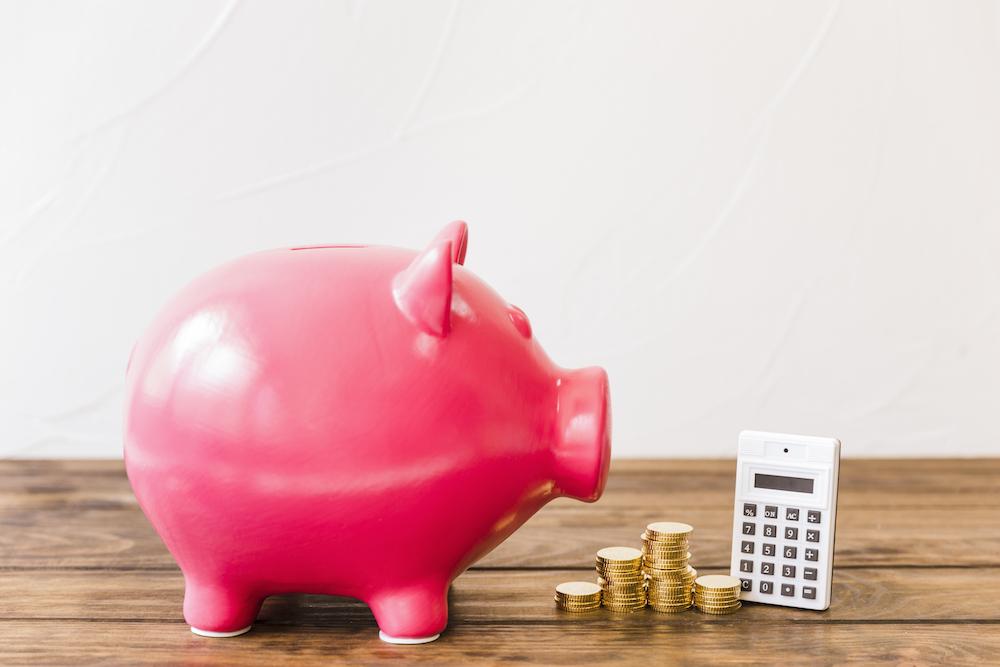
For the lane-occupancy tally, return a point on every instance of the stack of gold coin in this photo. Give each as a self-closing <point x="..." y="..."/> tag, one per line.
<point x="717" y="594"/>
<point x="619" y="571"/>
<point x="577" y="596"/>
<point x="665" y="563"/>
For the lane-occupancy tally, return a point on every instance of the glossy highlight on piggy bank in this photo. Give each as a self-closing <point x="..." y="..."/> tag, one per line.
<point x="364" y="421"/>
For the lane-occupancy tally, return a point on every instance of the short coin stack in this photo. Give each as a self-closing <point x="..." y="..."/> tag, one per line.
<point x="578" y="596"/>
<point x="619" y="571"/>
<point x="717" y="594"/>
<point x="665" y="563"/>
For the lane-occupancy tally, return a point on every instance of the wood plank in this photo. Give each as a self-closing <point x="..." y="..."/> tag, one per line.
<point x="908" y="595"/>
<point x="565" y="534"/>
<point x="83" y="514"/>
<point x="713" y="642"/>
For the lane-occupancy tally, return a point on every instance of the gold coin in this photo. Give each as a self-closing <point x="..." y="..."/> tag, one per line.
<point x="682" y="558"/>
<point x="577" y="603"/>
<point x="596" y="605"/>
<point x="620" y="571"/>
<point x="715" y="603"/>
<point x="668" y="528"/>
<point x="624" y="609"/>
<point x="661" y="541"/>
<point x="729" y="599"/>
<point x="717" y="582"/>
<point x="580" y="611"/>
<point x="668" y="596"/>
<point x="623" y="595"/>
<point x="677" y="575"/>
<point x="669" y="610"/>
<point x="619" y="554"/>
<point x="578" y="588"/>
<point x="712" y="598"/>
<point x="725" y="610"/>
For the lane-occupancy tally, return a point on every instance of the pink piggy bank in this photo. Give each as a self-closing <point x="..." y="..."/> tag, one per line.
<point x="350" y="420"/>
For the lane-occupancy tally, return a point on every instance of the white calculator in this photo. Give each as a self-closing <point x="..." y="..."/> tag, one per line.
<point x="784" y="518"/>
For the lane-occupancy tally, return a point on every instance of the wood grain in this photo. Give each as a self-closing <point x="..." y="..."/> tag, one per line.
<point x="85" y="580"/>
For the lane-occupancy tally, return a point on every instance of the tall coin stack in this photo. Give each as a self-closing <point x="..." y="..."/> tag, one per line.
<point x="717" y="594"/>
<point x="665" y="563"/>
<point x="578" y="596"/>
<point x="619" y="572"/>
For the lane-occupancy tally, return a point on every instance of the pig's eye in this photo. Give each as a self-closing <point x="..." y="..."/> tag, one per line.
<point x="520" y="321"/>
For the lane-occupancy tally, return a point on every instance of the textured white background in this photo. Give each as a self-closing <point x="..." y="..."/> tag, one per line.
<point x="771" y="215"/>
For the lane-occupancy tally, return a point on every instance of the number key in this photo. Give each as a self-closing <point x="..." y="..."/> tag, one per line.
<point x="814" y="516"/>
<point x="791" y="533"/>
<point x="791" y="552"/>
<point x="770" y="512"/>
<point x="746" y="566"/>
<point x="767" y="549"/>
<point x="770" y="531"/>
<point x="749" y="509"/>
<point x="812" y="536"/>
<point x="747" y="547"/>
<point x="749" y="528"/>
<point x="767" y="568"/>
<point x="791" y="514"/>
<point x="766" y="587"/>
<point x="788" y="571"/>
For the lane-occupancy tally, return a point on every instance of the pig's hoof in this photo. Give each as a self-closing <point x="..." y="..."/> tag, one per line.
<point x="406" y="640"/>
<point x="212" y="633"/>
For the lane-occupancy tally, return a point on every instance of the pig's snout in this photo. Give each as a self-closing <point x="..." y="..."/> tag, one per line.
<point x="583" y="423"/>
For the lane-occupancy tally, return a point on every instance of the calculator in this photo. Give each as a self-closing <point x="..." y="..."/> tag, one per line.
<point x="784" y="518"/>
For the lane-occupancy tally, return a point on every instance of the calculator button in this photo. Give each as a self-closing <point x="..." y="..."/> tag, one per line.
<point x="749" y="509"/>
<point x="791" y="514"/>
<point x="766" y="587"/>
<point x="809" y="573"/>
<point x="812" y="536"/>
<point x="808" y="592"/>
<point x="767" y="568"/>
<point x="770" y="531"/>
<point x="788" y="590"/>
<point x="747" y="547"/>
<point x="749" y="528"/>
<point x="746" y="584"/>
<point x="788" y="571"/>
<point x="791" y="533"/>
<point x="770" y="512"/>
<point x="813" y="516"/>
<point x="791" y="552"/>
<point x="812" y="554"/>
<point x="746" y="566"/>
<point x="767" y="549"/>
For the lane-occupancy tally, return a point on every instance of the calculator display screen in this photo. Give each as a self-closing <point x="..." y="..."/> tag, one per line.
<point x="782" y="483"/>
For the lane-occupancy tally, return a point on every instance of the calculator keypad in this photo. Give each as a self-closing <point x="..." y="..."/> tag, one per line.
<point x="778" y="544"/>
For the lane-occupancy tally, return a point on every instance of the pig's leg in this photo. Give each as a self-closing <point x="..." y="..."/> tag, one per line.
<point x="412" y="614"/>
<point x="218" y="610"/>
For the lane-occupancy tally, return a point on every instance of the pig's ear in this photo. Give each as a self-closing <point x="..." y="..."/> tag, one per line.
<point x="423" y="289"/>
<point x="458" y="233"/>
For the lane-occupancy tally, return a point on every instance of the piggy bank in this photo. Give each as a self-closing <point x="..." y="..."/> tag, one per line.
<point x="351" y="420"/>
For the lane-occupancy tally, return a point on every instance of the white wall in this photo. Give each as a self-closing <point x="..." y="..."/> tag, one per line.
<point x="773" y="215"/>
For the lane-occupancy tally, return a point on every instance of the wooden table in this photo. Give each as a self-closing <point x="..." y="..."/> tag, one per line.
<point x="85" y="580"/>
